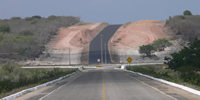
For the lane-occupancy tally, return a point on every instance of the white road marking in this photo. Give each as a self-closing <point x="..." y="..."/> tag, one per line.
<point x="153" y="88"/>
<point x="59" y="87"/>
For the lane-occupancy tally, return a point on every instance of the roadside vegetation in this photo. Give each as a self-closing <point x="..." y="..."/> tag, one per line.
<point x="185" y="26"/>
<point x="22" y="39"/>
<point x="187" y="63"/>
<point x="156" y="46"/>
<point x="13" y="77"/>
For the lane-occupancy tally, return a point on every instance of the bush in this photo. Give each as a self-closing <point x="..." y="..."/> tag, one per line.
<point x="161" y="44"/>
<point x="36" y="17"/>
<point x="5" y="28"/>
<point x="16" y="18"/>
<point x="147" y="49"/>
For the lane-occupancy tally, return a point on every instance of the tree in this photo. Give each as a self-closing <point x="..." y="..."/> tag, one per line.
<point x="188" y="57"/>
<point x="186" y="62"/>
<point x="147" y="49"/>
<point x="161" y="44"/>
<point x="187" y="12"/>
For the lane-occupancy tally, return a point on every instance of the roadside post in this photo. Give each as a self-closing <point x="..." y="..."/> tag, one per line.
<point x="129" y="60"/>
<point x="121" y="61"/>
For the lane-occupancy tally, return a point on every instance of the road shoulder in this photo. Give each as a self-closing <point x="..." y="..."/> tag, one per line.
<point x="37" y="94"/>
<point x="167" y="89"/>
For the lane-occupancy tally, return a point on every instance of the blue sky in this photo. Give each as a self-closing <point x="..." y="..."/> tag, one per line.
<point x="111" y="11"/>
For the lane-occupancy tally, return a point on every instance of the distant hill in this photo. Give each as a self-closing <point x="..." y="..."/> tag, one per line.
<point x="22" y="39"/>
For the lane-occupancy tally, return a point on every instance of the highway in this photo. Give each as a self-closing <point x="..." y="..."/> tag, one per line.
<point x="106" y="85"/>
<point x="101" y="84"/>
<point x="95" y="44"/>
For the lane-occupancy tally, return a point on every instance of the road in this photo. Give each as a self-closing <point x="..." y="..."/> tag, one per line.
<point x="95" y="44"/>
<point x="101" y="84"/>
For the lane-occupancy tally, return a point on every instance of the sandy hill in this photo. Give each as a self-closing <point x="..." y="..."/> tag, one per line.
<point x="130" y="36"/>
<point x="77" y="38"/>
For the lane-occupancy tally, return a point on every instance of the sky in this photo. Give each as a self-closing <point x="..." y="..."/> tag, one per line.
<point x="92" y="11"/>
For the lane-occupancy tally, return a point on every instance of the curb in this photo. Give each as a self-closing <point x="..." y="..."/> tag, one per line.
<point x="167" y="82"/>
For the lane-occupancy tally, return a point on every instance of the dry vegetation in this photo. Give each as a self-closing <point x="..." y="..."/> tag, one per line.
<point x="13" y="77"/>
<point x="22" y="39"/>
<point x="185" y="26"/>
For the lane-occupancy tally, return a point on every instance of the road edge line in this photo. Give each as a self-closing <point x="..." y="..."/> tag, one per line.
<point x="58" y="88"/>
<point x="155" y="88"/>
<point x="190" y="90"/>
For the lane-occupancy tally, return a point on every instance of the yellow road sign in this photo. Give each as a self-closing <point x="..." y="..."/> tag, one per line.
<point x="129" y="59"/>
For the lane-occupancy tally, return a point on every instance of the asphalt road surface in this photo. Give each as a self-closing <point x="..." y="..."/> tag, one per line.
<point x="105" y="84"/>
<point x="95" y="44"/>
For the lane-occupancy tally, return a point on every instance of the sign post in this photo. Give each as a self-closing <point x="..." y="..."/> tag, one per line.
<point x="129" y="60"/>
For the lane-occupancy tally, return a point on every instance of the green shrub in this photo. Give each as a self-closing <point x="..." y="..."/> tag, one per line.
<point x="24" y="51"/>
<point x="186" y="63"/>
<point x="9" y="67"/>
<point x="161" y="44"/>
<point x="5" y="28"/>
<point x="186" y="59"/>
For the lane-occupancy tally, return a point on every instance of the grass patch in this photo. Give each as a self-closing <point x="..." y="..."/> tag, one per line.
<point x="14" y="78"/>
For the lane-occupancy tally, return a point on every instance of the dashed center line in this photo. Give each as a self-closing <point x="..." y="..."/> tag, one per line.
<point x="103" y="86"/>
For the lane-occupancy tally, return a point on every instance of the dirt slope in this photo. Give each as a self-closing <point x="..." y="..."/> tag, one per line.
<point x="77" y="38"/>
<point x="130" y="36"/>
